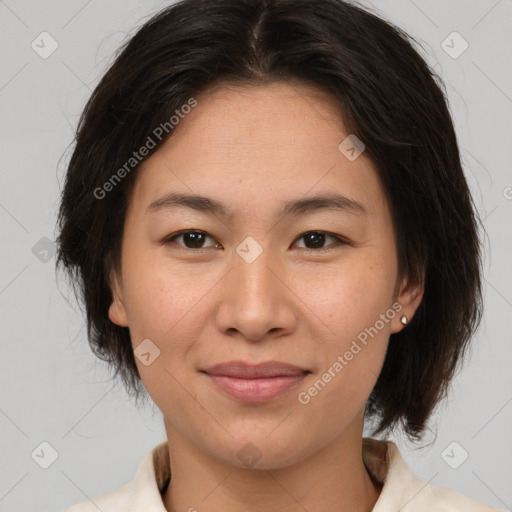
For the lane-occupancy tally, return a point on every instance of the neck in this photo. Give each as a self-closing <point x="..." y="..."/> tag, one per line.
<point x="333" y="479"/>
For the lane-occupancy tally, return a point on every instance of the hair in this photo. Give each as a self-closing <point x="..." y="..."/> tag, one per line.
<point x="389" y="98"/>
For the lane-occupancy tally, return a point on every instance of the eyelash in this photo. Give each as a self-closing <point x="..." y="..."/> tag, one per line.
<point x="338" y="240"/>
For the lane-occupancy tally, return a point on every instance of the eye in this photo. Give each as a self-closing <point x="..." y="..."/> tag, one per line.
<point x="315" y="240"/>
<point x="195" y="239"/>
<point x="192" y="239"/>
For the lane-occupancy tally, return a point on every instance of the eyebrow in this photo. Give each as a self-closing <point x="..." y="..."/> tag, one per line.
<point x="329" y="202"/>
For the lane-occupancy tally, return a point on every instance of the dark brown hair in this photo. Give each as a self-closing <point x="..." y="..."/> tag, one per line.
<point x="390" y="99"/>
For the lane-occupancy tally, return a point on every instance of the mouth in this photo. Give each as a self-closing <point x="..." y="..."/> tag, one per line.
<point x="255" y="383"/>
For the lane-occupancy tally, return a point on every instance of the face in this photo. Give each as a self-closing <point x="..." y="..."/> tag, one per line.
<point x="311" y="285"/>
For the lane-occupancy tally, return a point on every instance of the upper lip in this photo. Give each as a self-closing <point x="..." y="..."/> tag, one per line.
<point x="245" y="370"/>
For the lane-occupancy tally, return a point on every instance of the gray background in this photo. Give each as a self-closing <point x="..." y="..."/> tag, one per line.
<point x="53" y="389"/>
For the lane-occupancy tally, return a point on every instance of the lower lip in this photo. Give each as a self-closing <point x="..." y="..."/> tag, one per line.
<point x="256" y="390"/>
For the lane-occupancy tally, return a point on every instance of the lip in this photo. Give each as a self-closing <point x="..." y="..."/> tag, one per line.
<point x="255" y="383"/>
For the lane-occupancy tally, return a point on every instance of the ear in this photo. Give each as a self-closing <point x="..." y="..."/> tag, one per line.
<point x="117" y="310"/>
<point x="409" y="296"/>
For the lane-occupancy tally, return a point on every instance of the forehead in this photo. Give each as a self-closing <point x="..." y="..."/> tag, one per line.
<point x="261" y="141"/>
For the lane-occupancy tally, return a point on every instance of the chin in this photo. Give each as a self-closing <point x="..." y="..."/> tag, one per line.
<point x="263" y="451"/>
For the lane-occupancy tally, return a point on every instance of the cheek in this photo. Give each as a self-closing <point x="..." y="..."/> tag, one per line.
<point x="354" y="302"/>
<point x="164" y="306"/>
<point x="162" y="298"/>
<point x="349" y="297"/>
<point x="353" y="349"/>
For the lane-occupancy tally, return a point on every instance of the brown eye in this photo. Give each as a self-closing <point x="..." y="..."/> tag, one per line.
<point x="191" y="239"/>
<point x="315" y="240"/>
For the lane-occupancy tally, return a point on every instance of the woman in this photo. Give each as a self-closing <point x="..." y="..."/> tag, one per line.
<point x="268" y="222"/>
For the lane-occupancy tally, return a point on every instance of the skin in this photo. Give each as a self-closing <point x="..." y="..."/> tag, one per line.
<point x="252" y="148"/>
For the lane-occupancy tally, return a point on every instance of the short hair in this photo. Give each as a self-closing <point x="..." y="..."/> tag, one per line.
<point x="389" y="98"/>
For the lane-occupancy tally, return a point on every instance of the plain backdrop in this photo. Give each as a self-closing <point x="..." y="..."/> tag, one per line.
<point x="55" y="392"/>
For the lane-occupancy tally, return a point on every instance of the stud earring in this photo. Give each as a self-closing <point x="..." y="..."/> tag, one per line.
<point x="403" y="320"/>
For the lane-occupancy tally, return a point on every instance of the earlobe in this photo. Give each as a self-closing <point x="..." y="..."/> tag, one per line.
<point x="117" y="311"/>
<point x="410" y="298"/>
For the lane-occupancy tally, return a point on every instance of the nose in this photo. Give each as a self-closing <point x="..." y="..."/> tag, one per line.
<point x="256" y="300"/>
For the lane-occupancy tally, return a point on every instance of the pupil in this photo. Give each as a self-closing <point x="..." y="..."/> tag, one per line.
<point x="193" y="239"/>
<point x="316" y="238"/>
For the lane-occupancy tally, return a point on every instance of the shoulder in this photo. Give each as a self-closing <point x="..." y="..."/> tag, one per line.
<point x="449" y="500"/>
<point x="143" y="492"/>
<point x="404" y="491"/>
<point x="114" y="501"/>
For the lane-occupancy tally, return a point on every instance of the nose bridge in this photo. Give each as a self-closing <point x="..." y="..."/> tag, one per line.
<point x="252" y="263"/>
<point x="255" y="300"/>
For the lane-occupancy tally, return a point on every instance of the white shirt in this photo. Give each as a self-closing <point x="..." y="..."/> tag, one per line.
<point x="402" y="491"/>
